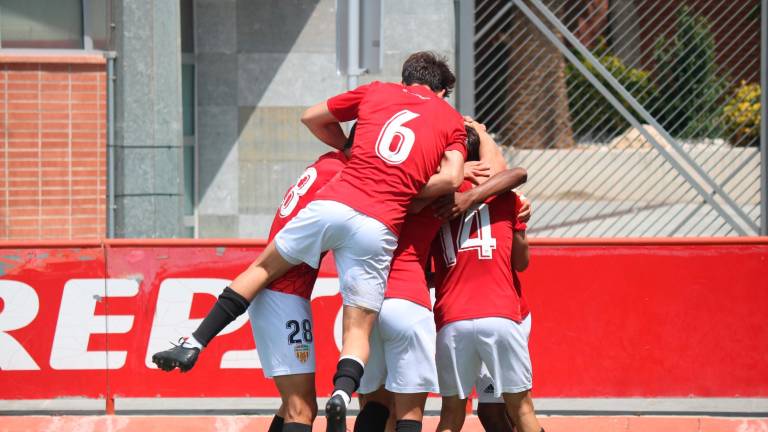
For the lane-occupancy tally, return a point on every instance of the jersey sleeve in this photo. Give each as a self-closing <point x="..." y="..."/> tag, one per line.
<point x="457" y="137"/>
<point x="344" y="106"/>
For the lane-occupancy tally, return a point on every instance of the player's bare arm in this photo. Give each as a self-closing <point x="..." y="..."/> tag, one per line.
<point x="451" y="206"/>
<point x="319" y="120"/>
<point x="520" y="252"/>
<point x="447" y="179"/>
<point x="490" y="152"/>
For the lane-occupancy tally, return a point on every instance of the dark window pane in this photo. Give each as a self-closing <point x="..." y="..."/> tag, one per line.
<point x="41" y="24"/>
<point x="188" y="98"/>
<point x="189" y="180"/>
<point x="99" y="16"/>
<point x="187" y="30"/>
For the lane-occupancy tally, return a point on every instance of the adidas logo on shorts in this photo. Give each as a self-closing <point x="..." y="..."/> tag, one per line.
<point x="489" y="389"/>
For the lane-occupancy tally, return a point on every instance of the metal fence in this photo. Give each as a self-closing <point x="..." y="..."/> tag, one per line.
<point x="633" y="117"/>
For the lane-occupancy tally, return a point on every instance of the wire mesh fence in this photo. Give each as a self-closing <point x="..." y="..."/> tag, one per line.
<point x="633" y="117"/>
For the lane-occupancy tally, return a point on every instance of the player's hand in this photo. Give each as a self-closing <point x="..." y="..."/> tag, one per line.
<point x="524" y="214"/>
<point x="469" y="121"/>
<point x="452" y="205"/>
<point x="474" y="171"/>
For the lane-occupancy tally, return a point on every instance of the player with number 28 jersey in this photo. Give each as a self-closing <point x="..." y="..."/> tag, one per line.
<point x="281" y="316"/>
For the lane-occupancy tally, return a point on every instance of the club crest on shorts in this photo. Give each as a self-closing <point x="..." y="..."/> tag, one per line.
<point x="302" y="352"/>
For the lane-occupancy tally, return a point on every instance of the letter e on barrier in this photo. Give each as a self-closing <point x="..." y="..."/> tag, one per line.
<point x="174" y="305"/>
<point x="77" y="321"/>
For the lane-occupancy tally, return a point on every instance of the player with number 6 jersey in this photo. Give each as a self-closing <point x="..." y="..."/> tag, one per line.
<point x="480" y="310"/>
<point x="281" y="316"/>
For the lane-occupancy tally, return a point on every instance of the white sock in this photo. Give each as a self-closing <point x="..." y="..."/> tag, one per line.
<point x="193" y="343"/>
<point x="347" y="398"/>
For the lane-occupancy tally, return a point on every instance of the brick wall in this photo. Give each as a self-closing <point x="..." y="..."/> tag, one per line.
<point x="52" y="147"/>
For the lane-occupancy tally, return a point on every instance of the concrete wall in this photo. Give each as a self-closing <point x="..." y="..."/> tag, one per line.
<point x="260" y="63"/>
<point x="148" y="126"/>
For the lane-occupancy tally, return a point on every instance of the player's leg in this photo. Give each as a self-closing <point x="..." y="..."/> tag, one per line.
<point x="494" y="417"/>
<point x="375" y="401"/>
<point x="458" y="364"/>
<point x="282" y="329"/>
<point x="357" y="324"/>
<point x="503" y="346"/>
<point x="452" y="414"/>
<point x="409" y="336"/>
<point x="362" y="259"/>
<point x="409" y="411"/>
<point x="375" y="411"/>
<point x="299" y="401"/>
<point x="278" y="420"/>
<point x="520" y="409"/>
<point x="491" y="410"/>
<point x="301" y="240"/>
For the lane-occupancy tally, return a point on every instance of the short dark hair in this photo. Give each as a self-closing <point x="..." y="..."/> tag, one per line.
<point x="473" y="144"/>
<point x="350" y="138"/>
<point x="427" y="68"/>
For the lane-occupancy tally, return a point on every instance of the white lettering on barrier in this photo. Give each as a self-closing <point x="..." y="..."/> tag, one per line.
<point x="171" y="321"/>
<point x="20" y="306"/>
<point x="77" y="322"/>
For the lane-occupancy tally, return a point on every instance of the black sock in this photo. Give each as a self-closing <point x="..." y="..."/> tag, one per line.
<point x="408" y="426"/>
<point x="277" y="424"/>
<point x="347" y="377"/>
<point x="229" y="306"/>
<point x="297" y="427"/>
<point x="372" y="418"/>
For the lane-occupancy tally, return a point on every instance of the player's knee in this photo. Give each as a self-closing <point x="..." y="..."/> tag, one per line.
<point x="519" y="404"/>
<point x="301" y="409"/>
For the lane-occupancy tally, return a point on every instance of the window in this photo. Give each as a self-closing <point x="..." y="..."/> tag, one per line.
<point x="60" y="24"/>
<point x="188" y="104"/>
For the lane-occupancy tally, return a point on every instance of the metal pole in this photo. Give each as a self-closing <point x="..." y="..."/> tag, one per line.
<point x="615" y="102"/>
<point x="110" y="144"/>
<point x="465" y="56"/>
<point x="353" y="43"/>
<point x="641" y="111"/>
<point x="764" y="117"/>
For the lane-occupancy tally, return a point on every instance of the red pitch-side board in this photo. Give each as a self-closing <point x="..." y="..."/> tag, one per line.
<point x="627" y="318"/>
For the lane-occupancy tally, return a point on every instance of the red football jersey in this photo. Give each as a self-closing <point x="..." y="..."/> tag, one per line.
<point x="301" y="279"/>
<point x="406" y="276"/>
<point x="473" y="264"/>
<point x="402" y="134"/>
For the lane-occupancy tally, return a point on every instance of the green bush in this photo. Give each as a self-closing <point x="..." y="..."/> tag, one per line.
<point x="741" y="115"/>
<point x="688" y="102"/>
<point x="592" y="115"/>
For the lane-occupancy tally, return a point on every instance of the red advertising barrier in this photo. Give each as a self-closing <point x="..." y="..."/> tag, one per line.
<point x="646" y="318"/>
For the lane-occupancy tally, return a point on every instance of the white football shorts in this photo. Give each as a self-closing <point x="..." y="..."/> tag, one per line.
<point x="402" y="356"/>
<point x="499" y="343"/>
<point x="362" y="248"/>
<point x="282" y="329"/>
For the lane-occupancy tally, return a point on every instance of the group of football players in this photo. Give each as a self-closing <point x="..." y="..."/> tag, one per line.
<point x="414" y="196"/>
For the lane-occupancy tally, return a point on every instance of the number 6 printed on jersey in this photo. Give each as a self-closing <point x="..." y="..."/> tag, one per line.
<point x="394" y="130"/>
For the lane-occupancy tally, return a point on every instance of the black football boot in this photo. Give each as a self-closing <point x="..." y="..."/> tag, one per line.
<point x="180" y="356"/>
<point x="336" y="414"/>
